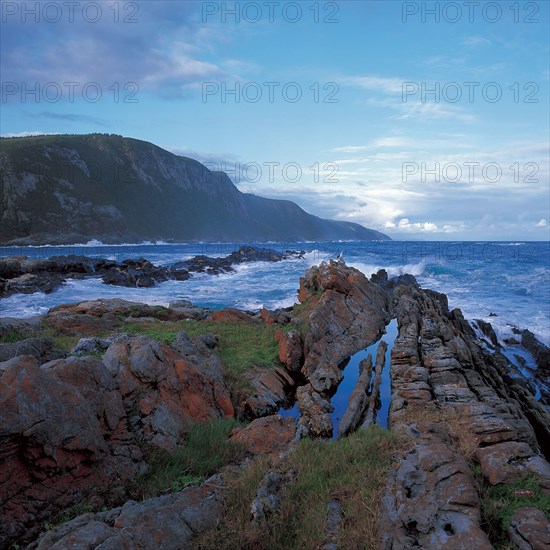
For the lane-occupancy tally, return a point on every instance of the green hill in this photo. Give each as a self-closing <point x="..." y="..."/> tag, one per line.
<point x="66" y="189"/>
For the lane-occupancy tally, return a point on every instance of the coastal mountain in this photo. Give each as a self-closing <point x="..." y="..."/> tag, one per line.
<point x="67" y="189"/>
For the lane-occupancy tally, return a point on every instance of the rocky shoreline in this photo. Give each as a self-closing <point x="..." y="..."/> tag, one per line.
<point x="19" y="274"/>
<point x="78" y="424"/>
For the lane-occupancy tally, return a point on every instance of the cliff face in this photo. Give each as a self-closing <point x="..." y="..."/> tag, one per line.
<point x="68" y="189"/>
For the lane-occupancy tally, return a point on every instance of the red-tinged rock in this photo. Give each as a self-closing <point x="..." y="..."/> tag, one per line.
<point x="290" y="349"/>
<point x="230" y="315"/>
<point x="56" y="450"/>
<point x="168" y="390"/>
<point x="270" y="435"/>
<point x="504" y="461"/>
<point x="268" y="317"/>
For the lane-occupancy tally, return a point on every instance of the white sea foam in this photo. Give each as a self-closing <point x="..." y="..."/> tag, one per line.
<point x="416" y="269"/>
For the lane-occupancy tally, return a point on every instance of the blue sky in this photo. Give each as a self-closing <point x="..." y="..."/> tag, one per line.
<point x="362" y="143"/>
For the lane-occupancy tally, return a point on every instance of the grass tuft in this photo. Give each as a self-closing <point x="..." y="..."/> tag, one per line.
<point x="352" y="470"/>
<point x="206" y="450"/>
<point x="500" y="502"/>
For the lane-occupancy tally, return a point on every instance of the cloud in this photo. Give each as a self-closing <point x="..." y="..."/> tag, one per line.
<point x="167" y="52"/>
<point x="213" y="161"/>
<point x="71" y="117"/>
<point x="474" y="41"/>
<point x="386" y="85"/>
<point x="26" y="134"/>
<point x="542" y="223"/>
<point x="405" y="96"/>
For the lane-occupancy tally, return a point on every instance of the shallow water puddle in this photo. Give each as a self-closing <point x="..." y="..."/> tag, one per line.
<point x="350" y="373"/>
<point x="340" y="399"/>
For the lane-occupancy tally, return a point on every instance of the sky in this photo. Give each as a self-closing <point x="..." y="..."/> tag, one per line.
<point x="423" y="120"/>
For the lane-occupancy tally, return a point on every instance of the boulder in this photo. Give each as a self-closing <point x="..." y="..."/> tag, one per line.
<point x="64" y="440"/>
<point x="43" y="349"/>
<point x="162" y="391"/>
<point x="169" y="522"/>
<point x="290" y="349"/>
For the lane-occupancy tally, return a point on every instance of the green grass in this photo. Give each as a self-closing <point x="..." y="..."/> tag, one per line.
<point x="16" y="334"/>
<point x="352" y="470"/>
<point x="206" y="450"/>
<point x="500" y="502"/>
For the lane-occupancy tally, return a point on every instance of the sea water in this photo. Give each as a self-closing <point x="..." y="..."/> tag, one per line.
<point x="508" y="279"/>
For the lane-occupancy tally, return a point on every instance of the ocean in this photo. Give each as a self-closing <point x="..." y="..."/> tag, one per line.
<point x="508" y="279"/>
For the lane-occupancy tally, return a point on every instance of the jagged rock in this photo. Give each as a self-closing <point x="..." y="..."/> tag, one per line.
<point x="162" y="391"/>
<point x="379" y="278"/>
<point x="290" y="349"/>
<point x="487" y="329"/>
<point x="64" y="437"/>
<point x="529" y="529"/>
<point x="29" y="283"/>
<point x="89" y="346"/>
<point x="271" y="391"/>
<point x="43" y="349"/>
<point x="169" y="522"/>
<point x="270" y="435"/>
<point x="19" y="274"/>
<point x="315" y="411"/>
<point x="374" y="397"/>
<point x="459" y="400"/>
<point x="69" y="428"/>
<point x="351" y="314"/>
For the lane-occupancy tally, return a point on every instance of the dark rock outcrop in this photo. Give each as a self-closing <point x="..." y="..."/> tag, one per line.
<point x="69" y="429"/>
<point x="169" y="522"/>
<point x="529" y="529"/>
<point x="43" y="349"/>
<point x="349" y="313"/>
<point x="458" y="400"/>
<point x="19" y="274"/>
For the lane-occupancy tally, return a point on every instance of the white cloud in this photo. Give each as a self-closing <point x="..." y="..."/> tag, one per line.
<point x="386" y="85"/>
<point x="27" y="134"/>
<point x="473" y="41"/>
<point x="542" y="223"/>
